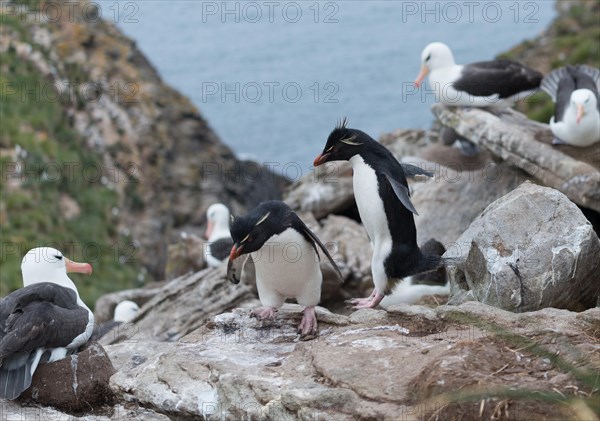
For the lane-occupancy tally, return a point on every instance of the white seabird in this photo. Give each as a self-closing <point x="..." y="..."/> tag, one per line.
<point x="495" y="83"/>
<point x="44" y="319"/>
<point x="575" y="91"/>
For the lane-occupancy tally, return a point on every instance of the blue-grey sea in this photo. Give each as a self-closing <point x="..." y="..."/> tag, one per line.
<point x="272" y="77"/>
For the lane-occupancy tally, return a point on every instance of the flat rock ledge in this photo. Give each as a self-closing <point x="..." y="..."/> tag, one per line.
<point x="524" y="144"/>
<point x="407" y="363"/>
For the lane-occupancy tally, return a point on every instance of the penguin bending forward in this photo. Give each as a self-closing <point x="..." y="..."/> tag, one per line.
<point x="286" y="257"/>
<point x="383" y="200"/>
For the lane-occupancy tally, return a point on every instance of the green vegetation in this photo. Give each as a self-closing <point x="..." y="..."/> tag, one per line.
<point x="56" y="166"/>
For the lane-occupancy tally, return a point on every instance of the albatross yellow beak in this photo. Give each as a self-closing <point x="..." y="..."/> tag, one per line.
<point x="422" y="74"/>
<point x="74" y="267"/>
<point x="580" y="113"/>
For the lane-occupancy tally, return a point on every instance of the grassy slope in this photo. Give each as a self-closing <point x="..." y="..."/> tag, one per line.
<point x="30" y="214"/>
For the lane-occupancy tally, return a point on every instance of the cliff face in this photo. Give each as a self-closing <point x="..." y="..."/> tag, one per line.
<point x="154" y="156"/>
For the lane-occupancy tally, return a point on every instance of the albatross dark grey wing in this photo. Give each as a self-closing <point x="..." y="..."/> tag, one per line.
<point x="37" y="317"/>
<point x="504" y="78"/>
<point x="219" y="249"/>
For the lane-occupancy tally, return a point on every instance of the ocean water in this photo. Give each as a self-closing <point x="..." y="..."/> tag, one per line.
<point x="272" y="78"/>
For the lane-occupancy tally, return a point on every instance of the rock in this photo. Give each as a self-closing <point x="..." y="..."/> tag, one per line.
<point x="328" y="190"/>
<point x="514" y="138"/>
<point x="105" y="305"/>
<point x="530" y="249"/>
<point x="349" y="245"/>
<point x="13" y="411"/>
<point x="74" y="384"/>
<point x="185" y="256"/>
<point x="185" y="304"/>
<point x="450" y="201"/>
<point x="371" y="365"/>
<point x="69" y="207"/>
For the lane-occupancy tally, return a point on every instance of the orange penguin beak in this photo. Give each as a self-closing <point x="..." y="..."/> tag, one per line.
<point x="580" y="113"/>
<point x="235" y="252"/>
<point x="422" y="74"/>
<point x="74" y="267"/>
<point x="321" y="159"/>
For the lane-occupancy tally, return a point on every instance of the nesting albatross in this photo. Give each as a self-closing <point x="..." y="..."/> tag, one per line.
<point x="44" y="319"/>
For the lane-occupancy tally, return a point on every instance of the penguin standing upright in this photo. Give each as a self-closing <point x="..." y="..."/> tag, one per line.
<point x="384" y="205"/>
<point x="286" y="258"/>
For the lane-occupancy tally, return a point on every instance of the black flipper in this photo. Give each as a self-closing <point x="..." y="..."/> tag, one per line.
<point x="235" y="268"/>
<point x="310" y="236"/>
<point x="401" y="191"/>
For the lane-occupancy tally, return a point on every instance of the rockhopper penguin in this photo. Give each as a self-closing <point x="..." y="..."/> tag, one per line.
<point x="385" y="208"/>
<point x="286" y="257"/>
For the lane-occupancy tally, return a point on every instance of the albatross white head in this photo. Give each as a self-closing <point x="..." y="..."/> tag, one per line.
<point x="47" y="264"/>
<point x="436" y="55"/>
<point x="585" y="103"/>
<point x="218" y="222"/>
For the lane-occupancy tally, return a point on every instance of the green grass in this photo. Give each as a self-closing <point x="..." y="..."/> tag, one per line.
<point x="32" y="213"/>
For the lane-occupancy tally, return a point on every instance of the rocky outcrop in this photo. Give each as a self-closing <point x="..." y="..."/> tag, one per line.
<point x="155" y="148"/>
<point x="13" y="411"/>
<point x="73" y="384"/>
<point x="369" y="365"/>
<point x="180" y="306"/>
<point x="530" y="249"/>
<point x="458" y="193"/>
<point x="517" y="140"/>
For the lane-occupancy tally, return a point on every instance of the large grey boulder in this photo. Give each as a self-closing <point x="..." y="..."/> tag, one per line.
<point x="450" y="201"/>
<point x="530" y="249"/>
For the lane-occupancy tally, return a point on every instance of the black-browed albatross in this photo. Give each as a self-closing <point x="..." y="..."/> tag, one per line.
<point x="44" y="319"/>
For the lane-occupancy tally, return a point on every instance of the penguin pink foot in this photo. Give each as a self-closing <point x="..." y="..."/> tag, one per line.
<point x="370" y="302"/>
<point x="362" y="301"/>
<point x="264" y="312"/>
<point x="308" y="325"/>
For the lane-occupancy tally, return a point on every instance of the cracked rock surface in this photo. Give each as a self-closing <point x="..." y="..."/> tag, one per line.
<point x="369" y="365"/>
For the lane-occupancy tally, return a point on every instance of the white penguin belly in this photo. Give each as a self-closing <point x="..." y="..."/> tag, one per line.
<point x="287" y="267"/>
<point x="369" y="203"/>
<point x="372" y="214"/>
